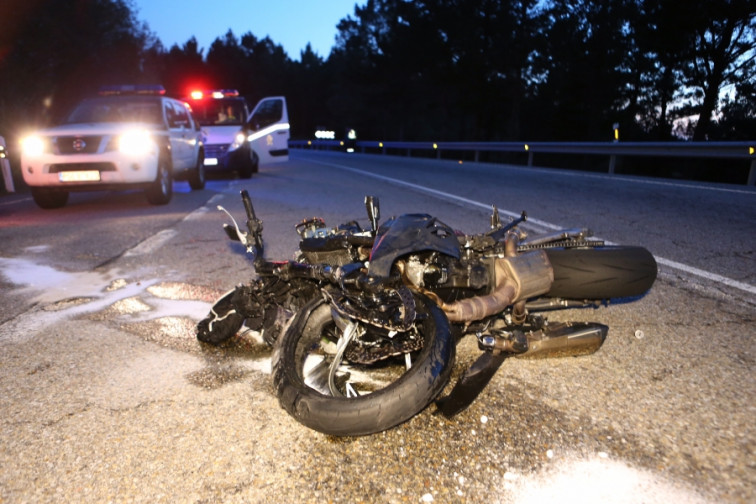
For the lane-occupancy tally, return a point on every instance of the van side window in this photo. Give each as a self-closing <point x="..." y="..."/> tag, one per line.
<point x="267" y="113"/>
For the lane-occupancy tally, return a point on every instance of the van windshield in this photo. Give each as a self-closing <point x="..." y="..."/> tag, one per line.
<point x="218" y="112"/>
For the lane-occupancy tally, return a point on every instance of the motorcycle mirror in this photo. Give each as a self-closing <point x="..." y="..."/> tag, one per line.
<point x="373" y="210"/>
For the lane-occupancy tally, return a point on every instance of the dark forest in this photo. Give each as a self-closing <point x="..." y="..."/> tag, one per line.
<point x="479" y="70"/>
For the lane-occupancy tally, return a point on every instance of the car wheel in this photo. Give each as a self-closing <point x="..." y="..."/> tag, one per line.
<point x="246" y="171"/>
<point x="47" y="199"/>
<point x="197" y="177"/>
<point x="249" y="167"/>
<point x="161" y="191"/>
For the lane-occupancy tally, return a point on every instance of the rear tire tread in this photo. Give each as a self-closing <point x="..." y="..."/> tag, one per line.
<point x="601" y="272"/>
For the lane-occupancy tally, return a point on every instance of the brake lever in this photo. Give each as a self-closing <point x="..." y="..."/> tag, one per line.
<point x="230" y="230"/>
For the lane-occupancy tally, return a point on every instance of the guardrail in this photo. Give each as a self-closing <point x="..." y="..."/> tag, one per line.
<point x="702" y="150"/>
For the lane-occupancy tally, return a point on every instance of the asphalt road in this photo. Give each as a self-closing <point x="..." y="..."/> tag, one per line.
<point x="107" y="396"/>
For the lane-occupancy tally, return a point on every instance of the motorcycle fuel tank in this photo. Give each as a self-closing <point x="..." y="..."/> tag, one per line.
<point x="409" y="233"/>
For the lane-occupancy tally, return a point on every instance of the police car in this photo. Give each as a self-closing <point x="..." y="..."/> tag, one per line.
<point x="239" y="140"/>
<point x="126" y="137"/>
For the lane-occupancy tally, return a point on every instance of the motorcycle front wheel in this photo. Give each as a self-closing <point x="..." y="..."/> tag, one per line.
<point x="324" y="391"/>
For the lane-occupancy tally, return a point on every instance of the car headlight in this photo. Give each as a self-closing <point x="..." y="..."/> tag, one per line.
<point x="238" y="141"/>
<point x="33" y="146"/>
<point x="135" y="143"/>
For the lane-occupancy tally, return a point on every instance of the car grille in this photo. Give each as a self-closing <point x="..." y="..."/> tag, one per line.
<point x="78" y="144"/>
<point x="216" y="150"/>
<point x="63" y="167"/>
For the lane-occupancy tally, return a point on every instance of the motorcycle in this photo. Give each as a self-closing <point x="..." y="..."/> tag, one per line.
<point x="364" y="322"/>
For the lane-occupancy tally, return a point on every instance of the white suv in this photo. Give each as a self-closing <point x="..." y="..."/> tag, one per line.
<point x="128" y="137"/>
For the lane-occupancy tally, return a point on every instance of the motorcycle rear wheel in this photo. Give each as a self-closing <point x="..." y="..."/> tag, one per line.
<point x="388" y="392"/>
<point x="601" y="272"/>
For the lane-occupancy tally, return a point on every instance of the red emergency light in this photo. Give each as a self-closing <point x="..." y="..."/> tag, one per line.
<point x="217" y="94"/>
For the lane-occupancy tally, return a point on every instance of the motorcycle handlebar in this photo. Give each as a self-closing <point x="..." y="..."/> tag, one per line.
<point x="253" y="223"/>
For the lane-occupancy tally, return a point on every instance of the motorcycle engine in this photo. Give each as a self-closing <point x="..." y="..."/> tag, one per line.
<point x="335" y="247"/>
<point x="448" y="277"/>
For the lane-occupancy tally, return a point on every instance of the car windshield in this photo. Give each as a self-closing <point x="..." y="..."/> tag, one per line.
<point x="143" y="109"/>
<point x="218" y="112"/>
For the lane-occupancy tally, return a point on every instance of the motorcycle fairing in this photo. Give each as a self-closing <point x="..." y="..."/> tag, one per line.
<point x="408" y="233"/>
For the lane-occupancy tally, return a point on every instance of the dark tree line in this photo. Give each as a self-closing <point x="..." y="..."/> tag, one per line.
<point x="423" y="69"/>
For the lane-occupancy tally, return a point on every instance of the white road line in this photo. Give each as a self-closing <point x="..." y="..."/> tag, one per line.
<point x="157" y="240"/>
<point x="152" y="243"/>
<point x="442" y="194"/>
<point x="661" y="260"/>
<point x="707" y="275"/>
<point x="14" y="201"/>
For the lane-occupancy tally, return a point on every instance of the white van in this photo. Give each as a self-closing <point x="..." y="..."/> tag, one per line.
<point x="238" y="140"/>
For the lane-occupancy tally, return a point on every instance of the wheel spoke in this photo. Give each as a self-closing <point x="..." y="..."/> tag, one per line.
<point x="315" y="373"/>
<point x="350" y="392"/>
<point x="349" y="331"/>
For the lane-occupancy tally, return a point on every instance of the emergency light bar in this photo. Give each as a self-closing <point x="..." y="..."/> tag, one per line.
<point x="214" y="93"/>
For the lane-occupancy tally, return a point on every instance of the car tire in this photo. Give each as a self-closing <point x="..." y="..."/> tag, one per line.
<point x="249" y="167"/>
<point x="246" y="171"/>
<point x="197" y="176"/>
<point x="161" y="191"/>
<point x="49" y="199"/>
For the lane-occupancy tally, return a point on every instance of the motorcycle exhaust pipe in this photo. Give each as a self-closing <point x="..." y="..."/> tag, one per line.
<point x="566" y="339"/>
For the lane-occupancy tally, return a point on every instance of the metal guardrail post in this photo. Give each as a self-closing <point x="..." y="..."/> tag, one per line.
<point x="612" y="164"/>
<point x="752" y="173"/>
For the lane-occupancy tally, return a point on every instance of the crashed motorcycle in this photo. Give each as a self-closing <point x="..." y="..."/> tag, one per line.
<point x="364" y="321"/>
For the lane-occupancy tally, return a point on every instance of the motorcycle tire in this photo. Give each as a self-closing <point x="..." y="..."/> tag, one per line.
<point x="309" y="340"/>
<point x="221" y="323"/>
<point x="601" y="272"/>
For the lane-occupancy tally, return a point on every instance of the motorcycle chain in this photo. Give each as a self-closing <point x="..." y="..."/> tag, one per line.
<point x="562" y="244"/>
